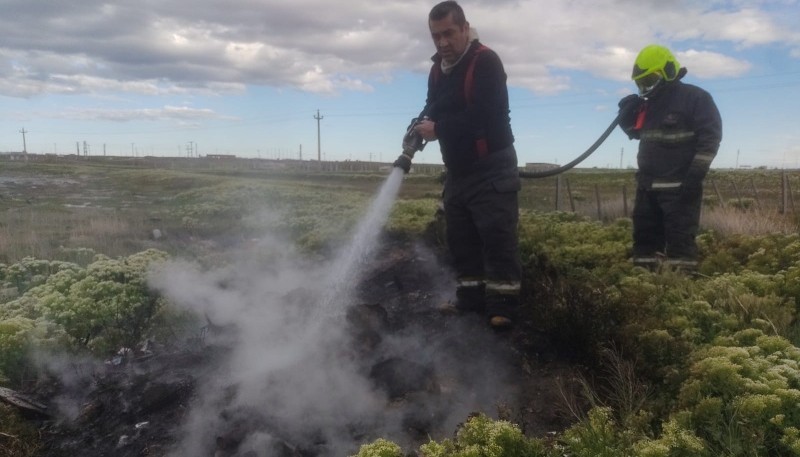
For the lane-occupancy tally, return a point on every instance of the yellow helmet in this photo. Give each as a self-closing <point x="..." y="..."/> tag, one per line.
<point x="654" y="64"/>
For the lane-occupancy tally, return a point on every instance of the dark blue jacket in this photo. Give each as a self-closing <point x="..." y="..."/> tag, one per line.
<point x="461" y="124"/>
<point x="678" y="138"/>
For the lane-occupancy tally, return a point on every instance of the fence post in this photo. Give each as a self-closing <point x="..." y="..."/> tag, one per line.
<point x="719" y="195"/>
<point x="755" y="193"/>
<point x="597" y="198"/>
<point x="625" y="200"/>
<point x="569" y="195"/>
<point x="738" y="194"/>
<point x="558" y="192"/>
<point x="784" y="194"/>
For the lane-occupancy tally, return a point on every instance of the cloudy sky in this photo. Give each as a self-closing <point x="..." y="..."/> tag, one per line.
<point x="247" y="77"/>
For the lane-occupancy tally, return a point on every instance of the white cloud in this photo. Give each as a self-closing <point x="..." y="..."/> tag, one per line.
<point x="167" y="47"/>
<point x="175" y="113"/>
<point x="706" y="64"/>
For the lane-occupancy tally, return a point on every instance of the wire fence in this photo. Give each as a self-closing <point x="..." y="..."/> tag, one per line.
<point x="607" y="198"/>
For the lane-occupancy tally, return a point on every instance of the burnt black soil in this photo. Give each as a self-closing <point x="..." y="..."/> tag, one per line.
<point x="134" y="403"/>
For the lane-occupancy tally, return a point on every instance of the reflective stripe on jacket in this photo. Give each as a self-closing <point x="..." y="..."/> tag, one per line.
<point x="679" y="137"/>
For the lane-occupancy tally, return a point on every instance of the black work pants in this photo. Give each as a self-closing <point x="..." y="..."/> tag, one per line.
<point x="482" y="217"/>
<point x="666" y="222"/>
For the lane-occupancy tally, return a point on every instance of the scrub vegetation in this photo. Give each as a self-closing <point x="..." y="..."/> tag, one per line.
<point x="675" y="364"/>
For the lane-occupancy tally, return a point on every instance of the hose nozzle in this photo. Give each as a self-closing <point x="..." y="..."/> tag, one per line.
<point x="412" y="142"/>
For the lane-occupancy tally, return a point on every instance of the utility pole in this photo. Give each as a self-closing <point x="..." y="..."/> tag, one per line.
<point x="621" y="152"/>
<point x="737" y="159"/>
<point x="319" y="144"/>
<point x="24" y="143"/>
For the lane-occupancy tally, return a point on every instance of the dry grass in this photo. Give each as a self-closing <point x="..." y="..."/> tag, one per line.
<point x="725" y="221"/>
<point x="609" y="209"/>
<point x="43" y="233"/>
<point x="728" y="221"/>
<point x="18" y="438"/>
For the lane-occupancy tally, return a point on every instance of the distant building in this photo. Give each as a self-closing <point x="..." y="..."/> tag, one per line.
<point x="220" y="156"/>
<point x="14" y="155"/>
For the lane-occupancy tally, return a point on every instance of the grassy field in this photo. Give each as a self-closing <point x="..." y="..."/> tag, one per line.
<point x="701" y="365"/>
<point x="50" y="209"/>
<point x="53" y="208"/>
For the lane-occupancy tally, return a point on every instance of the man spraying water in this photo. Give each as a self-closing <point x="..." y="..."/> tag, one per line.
<point x="466" y="110"/>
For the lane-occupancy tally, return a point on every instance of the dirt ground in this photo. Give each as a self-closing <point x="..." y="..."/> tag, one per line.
<point x="134" y="403"/>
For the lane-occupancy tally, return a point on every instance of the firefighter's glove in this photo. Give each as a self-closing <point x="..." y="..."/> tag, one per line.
<point x="403" y="162"/>
<point x="695" y="176"/>
<point x="629" y="103"/>
<point x="628" y="109"/>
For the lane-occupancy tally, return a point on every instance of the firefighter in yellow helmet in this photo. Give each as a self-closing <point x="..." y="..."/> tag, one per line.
<point x="679" y="131"/>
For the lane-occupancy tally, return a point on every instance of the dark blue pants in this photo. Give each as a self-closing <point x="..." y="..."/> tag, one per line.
<point x="666" y="222"/>
<point x="482" y="218"/>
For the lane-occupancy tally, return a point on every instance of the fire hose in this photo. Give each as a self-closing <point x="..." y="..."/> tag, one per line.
<point x="413" y="142"/>
<point x="579" y="159"/>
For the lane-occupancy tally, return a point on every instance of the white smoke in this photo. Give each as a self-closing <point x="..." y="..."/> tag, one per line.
<point x="289" y="373"/>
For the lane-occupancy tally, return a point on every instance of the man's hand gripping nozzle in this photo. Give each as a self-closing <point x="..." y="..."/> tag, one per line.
<point x="412" y="142"/>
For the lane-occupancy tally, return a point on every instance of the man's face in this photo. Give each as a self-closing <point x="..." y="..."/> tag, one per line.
<point x="450" y="39"/>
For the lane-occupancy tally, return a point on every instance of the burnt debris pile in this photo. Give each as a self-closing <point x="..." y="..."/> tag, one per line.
<point x="389" y="365"/>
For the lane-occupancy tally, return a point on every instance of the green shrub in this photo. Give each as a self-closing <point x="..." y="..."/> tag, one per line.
<point x="484" y="437"/>
<point x="380" y="448"/>
<point x="99" y="309"/>
<point x="480" y="436"/>
<point x="715" y="345"/>
<point x="676" y="440"/>
<point x="742" y="394"/>
<point x="411" y="217"/>
<point x="596" y="436"/>
<point x="15" y="337"/>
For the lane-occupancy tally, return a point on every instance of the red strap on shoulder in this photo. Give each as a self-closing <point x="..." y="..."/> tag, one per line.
<point x="481" y="145"/>
<point x="436" y="72"/>
<point x="469" y="81"/>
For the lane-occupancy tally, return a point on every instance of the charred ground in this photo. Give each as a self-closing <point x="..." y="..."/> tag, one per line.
<point x="134" y="403"/>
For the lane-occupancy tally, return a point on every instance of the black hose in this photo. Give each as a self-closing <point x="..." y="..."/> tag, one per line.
<point x="579" y="159"/>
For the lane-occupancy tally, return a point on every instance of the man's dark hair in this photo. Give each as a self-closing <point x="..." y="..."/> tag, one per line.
<point x="441" y="11"/>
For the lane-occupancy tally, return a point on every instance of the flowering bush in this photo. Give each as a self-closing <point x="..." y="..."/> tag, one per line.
<point x="100" y="308"/>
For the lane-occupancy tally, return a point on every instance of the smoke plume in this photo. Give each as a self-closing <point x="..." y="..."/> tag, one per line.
<point x="291" y="374"/>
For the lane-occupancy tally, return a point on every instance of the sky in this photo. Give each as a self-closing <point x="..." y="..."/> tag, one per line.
<point x="250" y="77"/>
